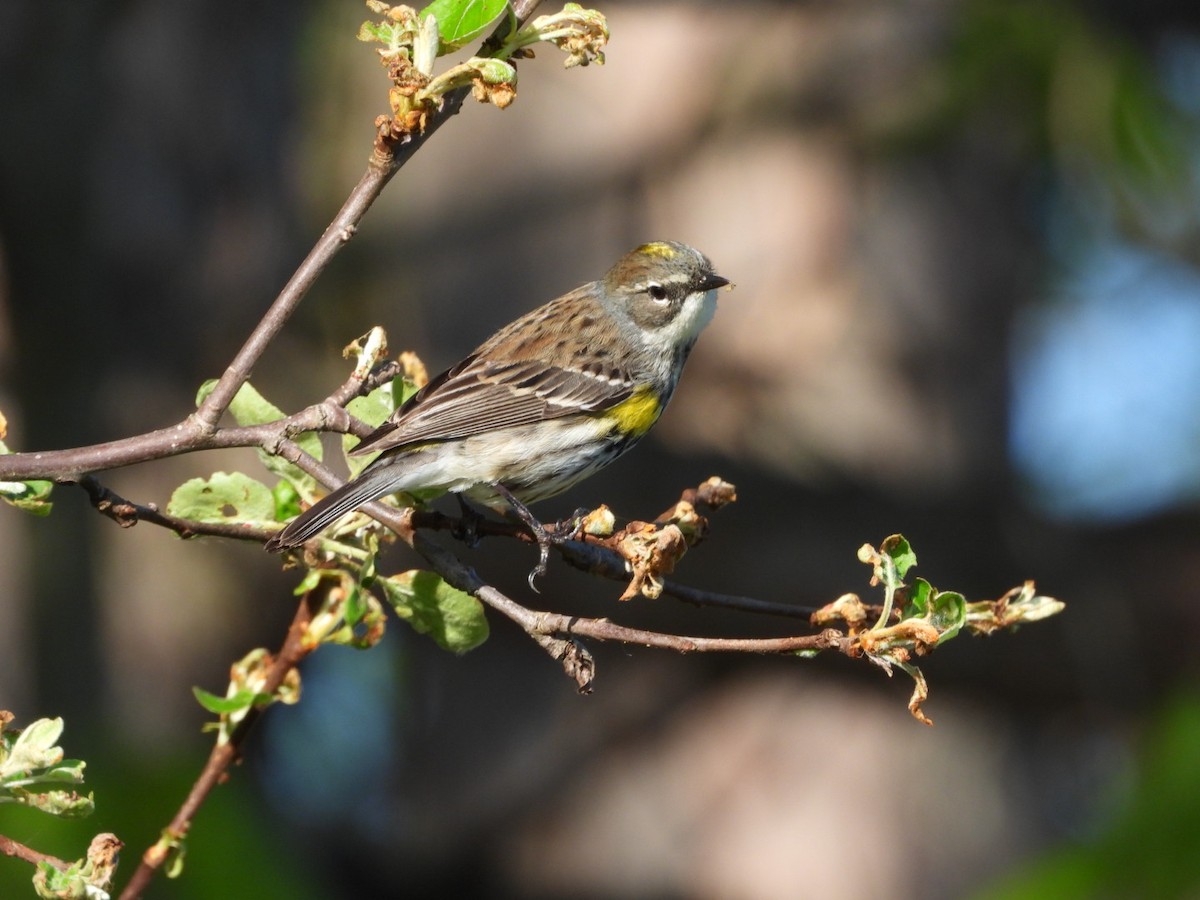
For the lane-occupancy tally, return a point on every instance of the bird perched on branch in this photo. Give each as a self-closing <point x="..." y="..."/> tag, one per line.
<point x="546" y="401"/>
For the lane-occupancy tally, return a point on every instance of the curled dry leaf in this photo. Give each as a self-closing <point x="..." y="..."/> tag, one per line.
<point x="500" y="95"/>
<point x="406" y="80"/>
<point x="579" y="665"/>
<point x="847" y="608"/>
<point x="1018" y="606"/>
<point x="920" y="635"/>
<point x="919" y="695"/>
<point x="651" y="552"/>
<point x="581" y="33"/>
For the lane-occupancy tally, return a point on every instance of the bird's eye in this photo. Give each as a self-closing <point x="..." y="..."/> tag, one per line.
<point x="657" y="291"/>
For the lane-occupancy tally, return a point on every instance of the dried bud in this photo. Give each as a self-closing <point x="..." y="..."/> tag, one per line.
<point x="716" y="492"/>
<point x="693" y="525"/>
<point x="414" y="370"/>
<point x="650" y="553"/>
<point x="600" y="522"/>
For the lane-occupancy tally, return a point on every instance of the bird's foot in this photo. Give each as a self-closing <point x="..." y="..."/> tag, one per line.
<point x="545" y="537"/>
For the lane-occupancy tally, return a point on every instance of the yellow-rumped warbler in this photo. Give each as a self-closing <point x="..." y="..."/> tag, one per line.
<point x="547" y="400"/>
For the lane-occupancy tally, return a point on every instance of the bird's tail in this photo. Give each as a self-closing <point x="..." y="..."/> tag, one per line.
<point x="369" y="485"/>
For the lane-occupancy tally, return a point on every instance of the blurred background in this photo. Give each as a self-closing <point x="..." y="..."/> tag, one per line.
<point x="965" y="242"/>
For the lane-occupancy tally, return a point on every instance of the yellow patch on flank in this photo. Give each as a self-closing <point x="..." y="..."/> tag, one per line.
<point x="664" y="251"/>
<point x="635" y="415"/>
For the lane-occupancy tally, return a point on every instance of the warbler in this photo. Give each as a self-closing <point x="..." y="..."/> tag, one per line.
<point x="546" y="401"/>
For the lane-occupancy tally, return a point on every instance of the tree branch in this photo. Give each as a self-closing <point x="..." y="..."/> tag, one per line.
<point x="541" y="625"/>
<point x="9" y="847"/>
<point x="200" y="431"/>
<point x="294" y="649"/>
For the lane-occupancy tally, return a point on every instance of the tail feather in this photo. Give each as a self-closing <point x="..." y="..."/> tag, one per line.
<point x="370" y="485"/>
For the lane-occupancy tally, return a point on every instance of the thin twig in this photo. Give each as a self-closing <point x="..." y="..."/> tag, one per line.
<point x="16" y="849"/>
<point x="295" y="648"/>
<point x="597" y="559"/>
<point x="126" y="513"/>
<point x="590" y="554"/>
<point x="538" y="623"/>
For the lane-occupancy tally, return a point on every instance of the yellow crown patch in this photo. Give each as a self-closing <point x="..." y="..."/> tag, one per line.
<point x="659" y="249"/>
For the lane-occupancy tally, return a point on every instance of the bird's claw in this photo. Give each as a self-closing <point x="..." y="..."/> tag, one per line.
<point x="544" y="540"/>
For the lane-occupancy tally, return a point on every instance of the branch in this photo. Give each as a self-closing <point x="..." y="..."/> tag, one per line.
<point x="598" y="559"/>
<point x="9" y="847"/>
<point x="294" y="649"/>
<point x="70" y="466"/>
<point x="200" y="431"/>
<point x="550" y="629"/>
<point x="126" y="513"/>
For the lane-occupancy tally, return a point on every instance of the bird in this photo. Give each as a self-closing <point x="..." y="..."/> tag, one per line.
<point x="545" y="402"/>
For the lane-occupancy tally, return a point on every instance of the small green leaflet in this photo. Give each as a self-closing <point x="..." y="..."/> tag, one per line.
<point x="30" y="760"/>
<point x="944" y="610"/>
<point x="243" y="699"/>
<point x="31" y="496"/>
<point x="901" y="553"/>
<point x="372" y="409"/>
<point x="461" y="21"/>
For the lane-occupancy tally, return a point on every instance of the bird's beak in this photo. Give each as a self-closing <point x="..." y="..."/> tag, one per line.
<point x="713" y="281"/>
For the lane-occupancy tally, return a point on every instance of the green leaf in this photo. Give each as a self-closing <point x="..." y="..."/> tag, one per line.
<point x="222" y="706"/>
<point x="287" y="500"/>
<point x="68" y="884"/>
<point x="176" y="856"/>
<point x="33" y="749"/>
<point x="461" y="21"/>
<point x="919" y="594"/>
<point x="948" y="613"/>
<point x="902" y="555"/>
<point x="34" y="758"/>
<point x="355" y="607"/>
<point x="493" y="71"/>
<point x="402" y="391"/>
<point x="373" y="409"/>
<point x="225" y="498"/>
<point x="66" y="804"/>
<point x="31" y="496"/>
<point x="451" y="617"/>
<point x="312" y="577"/>
<point x="944" y="610"/>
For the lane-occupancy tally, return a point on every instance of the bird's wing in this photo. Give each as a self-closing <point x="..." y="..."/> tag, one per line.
<point x="477" y="396"/>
